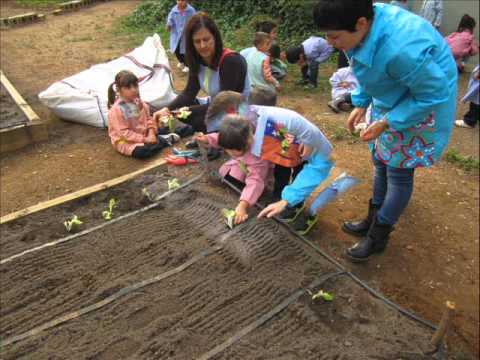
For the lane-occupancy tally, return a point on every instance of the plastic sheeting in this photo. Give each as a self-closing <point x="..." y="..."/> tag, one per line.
<point x="82" y="98"/>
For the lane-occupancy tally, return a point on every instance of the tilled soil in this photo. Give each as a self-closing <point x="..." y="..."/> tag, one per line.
<point x="10" y="114"/>
<point x="47" y="225"/>
<point x="251" y="270"/>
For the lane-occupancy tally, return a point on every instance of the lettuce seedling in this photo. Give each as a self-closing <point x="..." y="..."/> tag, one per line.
<point x="229" y="216"/>
<point x="73" y="223"/>
<point x="108" y="214"/>
<point x="173" y="184"/>
<point x="322" y="294"/>
<point x="183" y="113"/>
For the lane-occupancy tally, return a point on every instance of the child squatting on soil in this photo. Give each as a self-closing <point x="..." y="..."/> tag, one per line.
<point x="244" y="170"/>
<point x="285" y="139"/>
<point x="131" y="128"/>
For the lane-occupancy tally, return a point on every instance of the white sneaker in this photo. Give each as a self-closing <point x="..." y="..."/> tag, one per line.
<point x="185" y="69"/>
<point x="180" y="65"/>
<point x="171" y="138"/>
<point x="461" y="123"/>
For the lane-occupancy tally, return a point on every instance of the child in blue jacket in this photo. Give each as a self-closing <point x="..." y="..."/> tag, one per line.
<point x="176" y="22"/>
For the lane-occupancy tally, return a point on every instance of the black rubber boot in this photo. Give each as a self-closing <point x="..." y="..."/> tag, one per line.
<point x="375" y="242"/>
<point x="360" y="228"/>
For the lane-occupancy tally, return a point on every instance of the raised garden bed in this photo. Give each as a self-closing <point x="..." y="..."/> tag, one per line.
<point x="19" y="124"/>
<point x="207" y="292"/>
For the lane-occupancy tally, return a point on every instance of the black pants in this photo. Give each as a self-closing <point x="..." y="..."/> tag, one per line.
<point x="148" y="150"/>
<point x="342" y="60"/>
<point x="237" y="183"/>
<point x="282" y="177"/>
<point x="180" y="57"/>
<point x="347" y="98"/>
<point x="472" y="116"/>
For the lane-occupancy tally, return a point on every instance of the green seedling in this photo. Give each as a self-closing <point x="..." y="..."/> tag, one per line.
<point x="173" y="184"/>
<point x="108" y="214"/>
<point x="147" y="194"/>
<point x="285" y="145"/>
<point x="323" y="295"/>
<point x="73" y="223"/>
<point x="229" y="216"/>
<point x="169" y="120"/>
<point x="183" y="113"/>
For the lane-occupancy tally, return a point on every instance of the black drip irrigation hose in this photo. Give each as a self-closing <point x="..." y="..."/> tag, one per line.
<point x="360" y="282"/>
<point x="98" y="227"/>
<point x="122" y="292"/>
<point x="267" y="316"/>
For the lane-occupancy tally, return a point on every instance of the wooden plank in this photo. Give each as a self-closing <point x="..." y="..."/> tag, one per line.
<point x="20" y="17"/>
<point x="80" y="193"/>
<point x="19" y="100"/>
<point x="16" y="137"/>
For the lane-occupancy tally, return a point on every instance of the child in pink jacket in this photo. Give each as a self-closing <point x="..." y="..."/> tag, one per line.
<point x="462" y="42"/>
<point x="132" y="130"/>
<point x="244" y="169"/>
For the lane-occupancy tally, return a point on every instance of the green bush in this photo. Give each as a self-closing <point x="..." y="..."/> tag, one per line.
<point x="237" y="19"/>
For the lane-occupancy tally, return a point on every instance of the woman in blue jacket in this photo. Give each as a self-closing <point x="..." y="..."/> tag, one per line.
<point x="407" y="75"/>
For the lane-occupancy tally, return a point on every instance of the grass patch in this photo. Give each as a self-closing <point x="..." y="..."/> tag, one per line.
<point x="467" y="163"/>
<point x="39" y="3"/>
<point x="342" y="133"/>
<point x="82" y="38"/>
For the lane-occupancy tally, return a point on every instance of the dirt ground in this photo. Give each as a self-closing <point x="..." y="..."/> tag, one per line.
<point x="433" y="255"/>
<point x="257" y="268"/>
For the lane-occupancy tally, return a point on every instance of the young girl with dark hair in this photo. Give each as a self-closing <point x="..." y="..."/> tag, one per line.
<point x="462" y="42"/>
<point x="245" y="170"/>
<point x="131" y="128"/>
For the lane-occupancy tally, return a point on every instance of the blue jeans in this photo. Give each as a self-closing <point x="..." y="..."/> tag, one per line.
<point x="392" y="190"/>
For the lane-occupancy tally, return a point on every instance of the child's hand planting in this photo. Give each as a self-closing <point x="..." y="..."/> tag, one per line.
<point x="241" y="214"/>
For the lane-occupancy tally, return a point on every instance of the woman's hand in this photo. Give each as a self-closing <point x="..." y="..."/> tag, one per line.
<point x="241" y="214"/>
<point x="356" y="116"/>
<point x="158" y="115"/>
<point x="273" y="209"/>
<point x="374" y="130"/>
<point x="305" y="150"/>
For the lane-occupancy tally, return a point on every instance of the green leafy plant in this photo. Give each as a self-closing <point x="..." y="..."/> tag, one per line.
<point x="229" y="216"/>
<point x="73" y="223"/>
<point x="183" y="113"/>
<point x="173" y="184"/>
<point x="238" y="24"/>
<point x="108" y="214"/>
<point x="321" y="295"/>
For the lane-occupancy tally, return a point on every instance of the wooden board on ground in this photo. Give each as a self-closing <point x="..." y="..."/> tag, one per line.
<point x="80" y="193"/>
